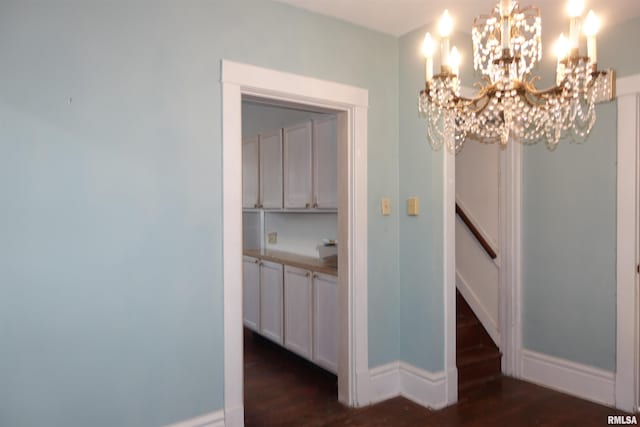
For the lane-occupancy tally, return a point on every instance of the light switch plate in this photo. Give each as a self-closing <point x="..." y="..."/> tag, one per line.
<point x="385" y="206"/>
<point x="272" y="238"/>
<point x="413" y="206"/>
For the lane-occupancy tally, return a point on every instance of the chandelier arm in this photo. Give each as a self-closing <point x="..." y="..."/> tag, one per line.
<point x="472" y="103"/>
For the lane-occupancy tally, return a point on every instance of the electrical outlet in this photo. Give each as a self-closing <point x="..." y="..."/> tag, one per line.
<point x="272" y="238"/>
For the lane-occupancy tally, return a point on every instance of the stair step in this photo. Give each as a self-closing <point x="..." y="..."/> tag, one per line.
<point x="478" y="365"/>
<point x="476" y="355"/>
<point x="478" y="358"/>
<point x="470" y="335"/>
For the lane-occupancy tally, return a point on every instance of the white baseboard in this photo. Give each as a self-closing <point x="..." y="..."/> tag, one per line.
<point x="402" y="379"/>
<point x="478" y="309"/>
<point x="212" y="419"/>
<point x="423" y="387"/>
<point x="234" y="417"/>
<point x="384" y="382"/>
<point x="569" y="377"/>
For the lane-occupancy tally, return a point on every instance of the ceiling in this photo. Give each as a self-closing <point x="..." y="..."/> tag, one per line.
<point x="398" y="17"/>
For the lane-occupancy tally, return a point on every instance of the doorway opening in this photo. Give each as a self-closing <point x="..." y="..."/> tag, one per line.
<point x="478" y="254"/>
<point x="349" y="104"/>
<point x="290" y="258"/>
<point x="508" y="323"/>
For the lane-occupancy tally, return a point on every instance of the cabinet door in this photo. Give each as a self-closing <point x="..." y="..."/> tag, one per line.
<point x="250" y="172"/>
<point x="325" y="321"/>
<point x="297" y="311"/>
<point x="325" y="163"/>
<point x="271" y="170"/>
<point x="297" y="166"/>
<point x="251" y="293"/>
<point x="271" y="301"/>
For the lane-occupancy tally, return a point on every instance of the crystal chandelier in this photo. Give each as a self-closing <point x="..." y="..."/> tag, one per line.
<point x="508" y="106"/>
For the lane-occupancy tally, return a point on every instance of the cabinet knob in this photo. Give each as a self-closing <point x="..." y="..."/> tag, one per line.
<point x="315" y="275"/>
<point x="315" y="205"/>
<point x="256" y="205"/>
<point x="256" y="261"/>
<point x="308" y="274"/>
<point x="260" y="263"/>
<point x="307" y="205"/>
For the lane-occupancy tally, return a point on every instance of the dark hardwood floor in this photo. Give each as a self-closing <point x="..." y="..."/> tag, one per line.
<point x="282" y="389"/>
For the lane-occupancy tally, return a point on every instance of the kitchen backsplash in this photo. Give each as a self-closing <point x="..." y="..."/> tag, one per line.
<point x="300" y="233"/>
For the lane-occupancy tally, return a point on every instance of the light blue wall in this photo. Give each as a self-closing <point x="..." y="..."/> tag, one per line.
<point x="618" y="48"/>
<point x="569" y="230"/>
<point x="421" y="273"/>
<point x="110" y="185"/>
<point x="568" y="259"/>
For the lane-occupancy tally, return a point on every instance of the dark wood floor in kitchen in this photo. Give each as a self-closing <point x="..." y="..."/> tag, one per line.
<point x="282" y="389"/>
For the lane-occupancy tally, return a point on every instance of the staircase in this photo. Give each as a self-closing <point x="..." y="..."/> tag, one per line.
<point x="478" y="358"/>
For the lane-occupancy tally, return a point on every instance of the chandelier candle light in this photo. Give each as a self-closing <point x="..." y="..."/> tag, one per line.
<point x="507" y="45"/>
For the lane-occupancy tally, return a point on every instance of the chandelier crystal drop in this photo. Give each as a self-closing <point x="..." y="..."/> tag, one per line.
<point x="507" y="45"/>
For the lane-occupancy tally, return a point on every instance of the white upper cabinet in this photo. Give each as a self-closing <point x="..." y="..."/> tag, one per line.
<point x="298" y="311"/>
<point x="271" y="170"/>
<point x="295" y="167"/>
<point x="298" y="154"/>
<point x="325" y="163"/>
<point x="250" y="172"/>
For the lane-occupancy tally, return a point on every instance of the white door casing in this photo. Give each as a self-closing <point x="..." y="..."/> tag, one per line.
<point x="510" y="274"/>
<point x="627" y="378"/>
<point x="351" y="103"/>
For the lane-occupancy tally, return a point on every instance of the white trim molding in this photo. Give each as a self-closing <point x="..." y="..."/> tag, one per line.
<point x="423" y="387"/>
<point x="569" y="377"/>
<point x="351" y="104"/>
<point x="627" y="394"/>
<point x="510" y="273"/>
<point x="232" y="253"/>
<point x="399" y="378"/>
<point x="213" y="419"/>
<point x="629" y="85"/>
<point x="449" y="269"/>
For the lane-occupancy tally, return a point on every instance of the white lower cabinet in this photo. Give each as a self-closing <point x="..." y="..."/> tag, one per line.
<point x="294" y="307"/>
<point x="251" y="293"/>
<point x="297" y="311"/>
<point x="325" y="321"/>
<point x="271" y="298"/>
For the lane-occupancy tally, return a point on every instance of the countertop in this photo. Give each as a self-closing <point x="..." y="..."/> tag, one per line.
<point x="294" y="260"/>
